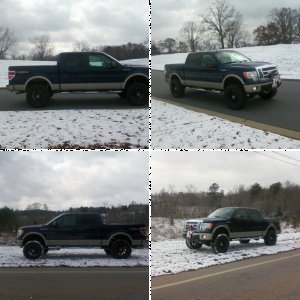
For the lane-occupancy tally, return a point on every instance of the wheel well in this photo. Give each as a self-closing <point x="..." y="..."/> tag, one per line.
<point x="175" y="77"/>
<point x="221" y="230"/>
<point x="232" y="80"/>
<point x="137" y="78"/>
<point x="34" y="237"/>
<point x="121" y="237"/>
<point x="38" y="81"/>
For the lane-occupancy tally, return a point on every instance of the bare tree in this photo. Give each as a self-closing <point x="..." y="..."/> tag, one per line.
<point x="42" y="48"/>
<point x="191" y="32"/>
<point x="286" y="19"/>
<point x="234" y="30"/>
<point x="81" y="46"/>
<point x="168" y="44"/>
<point x="7" y="41"/>
<point x="220" y="18"/>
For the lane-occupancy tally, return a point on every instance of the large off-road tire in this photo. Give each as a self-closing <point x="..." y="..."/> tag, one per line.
<point x="107" y="251"/>
<point x="33" y="250"/>
<point x="120" y="249"/>
<point x="177" y="89"/>
<point x="270" y="238"/>
<point x="235" y="96"/>
<point x="46" y="249"/>
<point x="193" y="245"/>
<point x="268" y="94"/>
<point x="137" y="93"/>
<point x="220" y="243"/>
<point x="38" y="95"/>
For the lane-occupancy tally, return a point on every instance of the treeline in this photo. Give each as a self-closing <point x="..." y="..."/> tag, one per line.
<point x="11" y="219"/>
<point x="278" y="200"/>
<point x="223" y="26"/>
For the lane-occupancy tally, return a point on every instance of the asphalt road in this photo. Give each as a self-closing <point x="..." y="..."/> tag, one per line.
<point x="17" y="102"/>
<point x="281" y="111"/>
<point x="271" y="277"/>
<point x="74" y="283"/>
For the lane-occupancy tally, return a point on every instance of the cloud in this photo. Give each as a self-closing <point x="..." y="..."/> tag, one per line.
<point x="65" y="179"/>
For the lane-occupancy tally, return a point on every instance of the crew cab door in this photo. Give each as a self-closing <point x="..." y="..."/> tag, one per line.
<point x="104" y="73"/>
<point x="63" y="231"/>
<point x="240" y="224"/>
<point x="257" y="223"/>
<point x="72" y="72"/>
<point x="89" y="230"/>
<point x="203" y="71"/>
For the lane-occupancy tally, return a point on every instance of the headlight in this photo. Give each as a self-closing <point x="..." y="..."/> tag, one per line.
<point x="206" y="226"/>
<point x="20" y="232"/>
<point x="251" y="75"/>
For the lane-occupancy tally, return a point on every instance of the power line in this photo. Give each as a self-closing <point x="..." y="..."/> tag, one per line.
<point x="286" y="156"/>
<point x="284" y="161"/>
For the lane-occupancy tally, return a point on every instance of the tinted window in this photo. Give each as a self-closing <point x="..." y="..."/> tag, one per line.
<point x="240" y="214"/>
<point x="74" y="62"/>
<point x="207" y="60"/>
<point x="67" y="220"/>
<point x="253" y="215"/>
<point x="194" y="59"/>
<point x="88" y="219"/>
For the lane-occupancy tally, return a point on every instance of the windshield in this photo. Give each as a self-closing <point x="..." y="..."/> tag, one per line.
<point x="228" y="57"/>
<point x="222" y="212"/>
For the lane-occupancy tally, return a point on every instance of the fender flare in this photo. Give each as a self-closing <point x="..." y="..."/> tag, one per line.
<point x="120" y="234"/>
<point x="234" y="76"/>
<point x="38" y="77"/>
<point x="132" y="76"/>
<point x="34" y="233"/>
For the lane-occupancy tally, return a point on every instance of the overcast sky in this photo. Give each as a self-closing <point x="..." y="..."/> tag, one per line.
<point x="229" y="169"/>
<point x="73" y="179"/>
<point x="99" y="22"/>
<point x="168" y="16"/>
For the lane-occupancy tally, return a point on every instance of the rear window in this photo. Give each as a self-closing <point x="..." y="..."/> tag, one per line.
<point x="74" y="62"/>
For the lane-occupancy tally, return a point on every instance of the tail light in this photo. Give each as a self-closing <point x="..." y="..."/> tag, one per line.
<point x="11" y="75"/>
<point x="143" y="231"/>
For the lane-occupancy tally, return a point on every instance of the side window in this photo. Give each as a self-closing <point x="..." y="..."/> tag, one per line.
<point x="100" y="61"/>
<point x="194" y="59"/>
<point x="74" y="62"/>
<point x="208" y="60"/>
<point x="88" y="219"/>
<point x="240" y="215"/>
<point x="67" y="220"/>
<point x="253" y="215"/>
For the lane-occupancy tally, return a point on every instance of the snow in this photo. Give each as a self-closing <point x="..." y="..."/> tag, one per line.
<point x="286" y="57"/>
<point x="83" y="128"/>
<point x="170" y="256"/>
<point x="12" y="256"/>
<point x="175" y="127"/>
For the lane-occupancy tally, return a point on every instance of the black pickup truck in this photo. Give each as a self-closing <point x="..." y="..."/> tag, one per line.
<point x="230" y="223"/>
<point x="227" y="71"/>
<point x="81" y="230"/>
<point x="80" y="72"/>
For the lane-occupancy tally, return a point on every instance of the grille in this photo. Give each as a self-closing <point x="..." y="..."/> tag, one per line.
<point x="268" y="72"/>
<point x="192" y="226"/>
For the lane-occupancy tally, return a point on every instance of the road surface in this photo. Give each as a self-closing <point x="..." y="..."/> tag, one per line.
<point x="74" y="283"/>
<point x="282" y="111"/>
<point x="269" y="277"/>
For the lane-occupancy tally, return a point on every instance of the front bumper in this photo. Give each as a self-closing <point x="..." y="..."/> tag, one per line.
<point x="200" y="236"/>
<point x="260" y="87"/>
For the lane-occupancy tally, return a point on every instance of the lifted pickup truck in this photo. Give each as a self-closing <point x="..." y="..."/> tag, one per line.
<point x="227" y="71"/>
<point x="230" y="223"/>
<point x="80" y="72"/>
<point x="81" y="230"/>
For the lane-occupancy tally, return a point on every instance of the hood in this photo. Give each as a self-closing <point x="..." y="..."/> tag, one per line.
<point x="32" y="227"/>
<point x="137" y="68"/>
<point x="250" y="64"/>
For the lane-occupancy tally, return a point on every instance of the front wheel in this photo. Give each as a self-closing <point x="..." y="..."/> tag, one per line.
<point x="33" y="250"/>
<point x="193" y="245"/>
<point x="220" y="243"/>
<point x="137" y="94"/>
<point x="120" y="249"/>
<point x="38" y="95"/>
<point x="235" y="96"/>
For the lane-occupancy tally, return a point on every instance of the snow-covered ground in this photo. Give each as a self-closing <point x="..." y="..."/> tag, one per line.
<point x="170" y="256"/>
<point x="12" y="256"/>
<point x="286" y="57"/>
<point x="176" y="128"/>
<point x="105" y="128"/>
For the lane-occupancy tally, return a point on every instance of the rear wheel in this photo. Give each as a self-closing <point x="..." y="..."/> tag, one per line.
<point x="137" y="94"/>
<point x="33" y="250"/>
<point x="193" y="245"/>
<point x="120" y="249"/>
<point x="177" y="90"/>
<point x="38" y="95"/>
<point x="220" y="243"/>
<point x="270" y="238"/>
<point x="107" y="251"/>
<point x="235" y="96"/>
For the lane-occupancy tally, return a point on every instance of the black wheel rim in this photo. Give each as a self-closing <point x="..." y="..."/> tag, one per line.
<point x="139" y="93"/>
<point x="39" y="96"/>
<point x="33" y="252"/>
<point x="121" y="250"/>
<point x="222" y="245"/>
